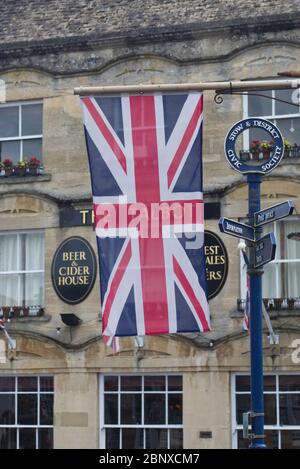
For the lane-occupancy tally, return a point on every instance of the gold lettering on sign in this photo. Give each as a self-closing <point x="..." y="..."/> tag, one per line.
<point x="84" y="214"/>
<point x="74" y="256"/>
<point x="74" y="274"/>
<point x="213" y="257"/>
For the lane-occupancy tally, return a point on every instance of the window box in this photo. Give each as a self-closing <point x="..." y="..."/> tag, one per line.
<point x="291" y="303"/>
<point x="14" y="312"/>
<point x="274" y="304"/>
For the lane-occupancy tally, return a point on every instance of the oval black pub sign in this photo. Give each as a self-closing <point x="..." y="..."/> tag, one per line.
<point x="216" y="260"/>
<point x="73" y="270"/>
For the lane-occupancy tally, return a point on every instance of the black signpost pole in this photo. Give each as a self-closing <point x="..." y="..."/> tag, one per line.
<point x="256" y="337"/>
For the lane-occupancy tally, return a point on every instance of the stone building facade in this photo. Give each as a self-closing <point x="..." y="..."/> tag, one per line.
<point x="47" y="49"/>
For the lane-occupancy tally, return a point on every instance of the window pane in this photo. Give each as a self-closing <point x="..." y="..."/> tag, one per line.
<point x="7" y="409"/>
<point x="270" y="409"/>
<point x="34" y="251"/>
<point x="175" y="383"/>
<point x="27" y="383"/>
<point x="269" y="383"/>
<point x="176" y="438"/>
<point x="112" y="436"/>
<point x="9" y="121"/>
<point x="27" y="409"/>
<point x="9" y="290"/>
<point x="111" y="409"/>
<point x="154" y="383"/>
<point x="271" y="440"/>
<point x="175" y="408"/>
<point x="32" y="119"/>
<point x="45" y="438"/>
<point x="156" y="438"/>
<point x="27" y="438"/>
<point x="290" y="129"/>
<point x="46" y="409"/>
<point x="290" y="439"/>
<point x="33" y="289"/>
<point x="242" y="443"/>
<point x="46" y="383"/>
<point x="132" y="438"/>
<point x="110" y="383"/>
<point x="7" y="383"/>
<point x="289" y="409"/>
<point x="131" y="406"/>
<point x="242" y="383"/>
<point x="258" y="106"/>
<point x="284" y="108"/>
<point x="131" y="383"/>
<point x="291" y="250"/>
<point x="32" y="147"/>
<point x="8" y="438"/>
<point x="269" y="281"/>
<point x="10" y="150"/>
<point x="155" y="409"/>
<point x="242" y="405"/>
<point x="8" y="249"/>
<point x="289" y="383"/>
<point x="292" y="284"/>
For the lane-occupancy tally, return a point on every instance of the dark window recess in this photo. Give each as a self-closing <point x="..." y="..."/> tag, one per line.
<point x="212" y="210"/>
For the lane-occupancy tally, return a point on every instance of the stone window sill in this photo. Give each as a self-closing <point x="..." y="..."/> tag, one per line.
<point x="20" y="312"/>
<point x="25" y="179"/>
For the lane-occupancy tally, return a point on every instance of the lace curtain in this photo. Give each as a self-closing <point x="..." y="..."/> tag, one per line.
<point x="21" y="269"/>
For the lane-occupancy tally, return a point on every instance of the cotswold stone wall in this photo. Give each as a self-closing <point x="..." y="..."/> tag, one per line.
<point x="39" y="20"/>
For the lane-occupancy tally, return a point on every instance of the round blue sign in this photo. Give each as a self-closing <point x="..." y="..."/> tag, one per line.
<point x="265" y="161"/>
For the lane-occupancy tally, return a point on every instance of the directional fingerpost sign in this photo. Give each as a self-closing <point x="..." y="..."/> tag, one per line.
<point x="264" y="250"/>
<point x="234" y="228"/>
<point x="273" y="213"/>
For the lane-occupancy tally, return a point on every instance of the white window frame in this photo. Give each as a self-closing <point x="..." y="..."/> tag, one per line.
<point x="273" y="117"/>
<point x="235" y="427"/>
<point x="103" y="426"/>
<point x="278" y="260"/>
<point x="21" y="138"/>
<point x="23" y="272"/>
<point x="16" y="392"/>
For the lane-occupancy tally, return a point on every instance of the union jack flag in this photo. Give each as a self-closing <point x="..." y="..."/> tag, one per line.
<point x="145" y="152"/>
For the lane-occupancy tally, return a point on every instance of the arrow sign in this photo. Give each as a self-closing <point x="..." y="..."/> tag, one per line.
<point x="264" y="250"/>
<point x="234" y="228"/>
<point x="273" y="213"/>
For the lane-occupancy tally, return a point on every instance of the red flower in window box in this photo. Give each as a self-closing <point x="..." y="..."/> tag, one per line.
<point x="34" y="162"/>
<point x="7" y="163"/>
<point x="255" y="149"/>
<point x="33" y="165"/>
<point x="8" y="166"/>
